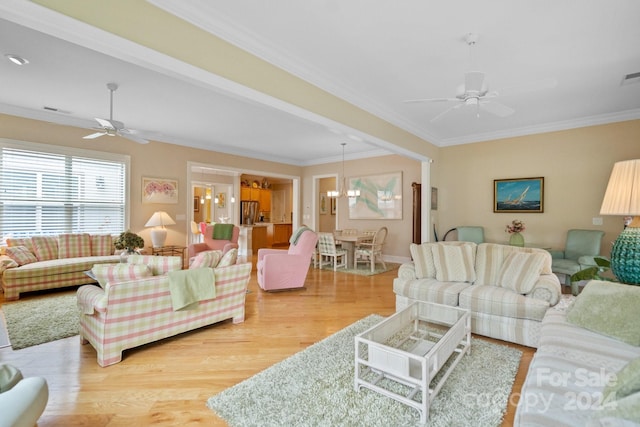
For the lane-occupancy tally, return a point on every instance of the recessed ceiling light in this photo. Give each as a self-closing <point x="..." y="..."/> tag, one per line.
<point x="18" y="60"/>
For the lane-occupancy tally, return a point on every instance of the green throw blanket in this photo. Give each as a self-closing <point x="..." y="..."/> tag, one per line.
<point x="295" y="236"/>
<point x="188" y="287"/>
<point x="222" y="231"/>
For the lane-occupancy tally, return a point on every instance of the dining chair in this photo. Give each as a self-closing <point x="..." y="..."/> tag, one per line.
<point x="371" y="251"/>
<point x="329" y="253"/>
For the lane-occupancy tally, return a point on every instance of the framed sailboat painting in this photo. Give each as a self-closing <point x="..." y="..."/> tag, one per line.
<point x="524" y="195"/>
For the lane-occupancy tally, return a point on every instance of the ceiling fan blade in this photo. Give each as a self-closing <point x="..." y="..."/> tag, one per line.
<point x="131" y="137"/>
<point x="409" y="101"/>
<point x="105" y="123"/>
<point x="448" y="110"/>
<point x="496" y="108"/>
<point x="94" y="135"/>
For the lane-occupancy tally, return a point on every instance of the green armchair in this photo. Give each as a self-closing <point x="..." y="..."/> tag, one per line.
<point x="580" y="249"/>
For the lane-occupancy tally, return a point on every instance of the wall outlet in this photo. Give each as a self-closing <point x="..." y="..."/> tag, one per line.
<point x="597" y="221"/>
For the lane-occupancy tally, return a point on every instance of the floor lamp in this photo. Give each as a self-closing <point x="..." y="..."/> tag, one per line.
<point x="623" y="198"/>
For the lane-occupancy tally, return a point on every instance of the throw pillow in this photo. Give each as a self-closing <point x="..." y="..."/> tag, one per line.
<point x="520" y="271"/>
<point x="615" y="413"/>
<point x="114" y="273"/>
<point x="229" y="258"/>
<point x="25" y="241"/>
<point x="627" y="382"/>
<point x="208" y="259"/>
<point x="453" y="263"/>
<point x="423" y="260"/>
<point x="21" y="255"/>
<point x="74" y="245"/>
<point x="45" y="247"/>
<point x="609" y="309"/>
<point x="101" y="245"/>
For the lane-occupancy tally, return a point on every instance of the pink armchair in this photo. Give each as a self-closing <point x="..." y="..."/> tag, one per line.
<point x="211" y="244"/>
<point x="287" y="269"/>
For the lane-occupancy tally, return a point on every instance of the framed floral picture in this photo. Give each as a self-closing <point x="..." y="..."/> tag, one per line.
<point x="516" y="195"/>
<point x="159" y="190"/>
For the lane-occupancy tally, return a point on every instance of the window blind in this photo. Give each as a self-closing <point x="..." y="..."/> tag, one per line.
<point x="60" y="191"/>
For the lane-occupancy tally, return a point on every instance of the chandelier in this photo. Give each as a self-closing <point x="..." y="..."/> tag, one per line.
<point x="343" y="192"/>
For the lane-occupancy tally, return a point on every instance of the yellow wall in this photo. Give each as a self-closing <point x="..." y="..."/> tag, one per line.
<point x="155" y="159"/>
<point x="575" y="164"/>
<point x="400" y="231"/>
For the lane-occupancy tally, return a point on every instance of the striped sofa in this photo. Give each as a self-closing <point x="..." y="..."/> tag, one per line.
<point x="49" y="262"/>
<point x="131" y="313"/>
<point x="507" y="289"/>
<point x="583" y="374"/>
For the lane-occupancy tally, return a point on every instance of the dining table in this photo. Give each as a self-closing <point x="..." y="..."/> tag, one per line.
<point x="349" y="243"/>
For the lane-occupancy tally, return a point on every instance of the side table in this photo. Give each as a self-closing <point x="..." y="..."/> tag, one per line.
<point x="170" y="251"/>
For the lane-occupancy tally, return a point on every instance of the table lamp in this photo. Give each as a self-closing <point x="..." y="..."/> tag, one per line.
<point x="159" y="234"/>
<point x="623" y="198"/>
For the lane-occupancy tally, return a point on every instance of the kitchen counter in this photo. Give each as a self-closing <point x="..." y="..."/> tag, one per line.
<point x="264" y="235"/>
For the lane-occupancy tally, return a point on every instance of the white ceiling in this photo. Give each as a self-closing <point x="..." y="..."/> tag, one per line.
<point x="374" y="54"/>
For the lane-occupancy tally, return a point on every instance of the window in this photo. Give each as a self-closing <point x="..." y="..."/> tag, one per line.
<point x="49" y="190"/>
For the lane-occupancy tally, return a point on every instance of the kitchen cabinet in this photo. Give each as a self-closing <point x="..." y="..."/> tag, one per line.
<point x="245" y="193"/>
<point x="265" y="200"/>
<point x="281" y="234"/>
<point x="259" y="238"/>
<point x="261" y="195"/>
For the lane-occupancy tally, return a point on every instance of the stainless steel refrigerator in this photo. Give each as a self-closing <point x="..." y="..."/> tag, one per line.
<point x="249" y="212"/>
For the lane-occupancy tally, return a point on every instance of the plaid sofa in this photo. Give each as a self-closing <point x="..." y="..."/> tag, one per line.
<point x="507" y="289"/>
<point x="131" y="313"/>
<point x="48" y="262"/>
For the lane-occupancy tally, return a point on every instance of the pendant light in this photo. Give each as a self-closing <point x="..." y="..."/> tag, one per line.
<point x="343" y="192"/>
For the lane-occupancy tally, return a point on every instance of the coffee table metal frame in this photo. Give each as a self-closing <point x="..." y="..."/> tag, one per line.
<point x="417" y="353"/>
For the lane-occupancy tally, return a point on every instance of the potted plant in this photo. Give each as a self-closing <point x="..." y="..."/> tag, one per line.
<point x="594" y="273"/>
<point x="129" y="243"/>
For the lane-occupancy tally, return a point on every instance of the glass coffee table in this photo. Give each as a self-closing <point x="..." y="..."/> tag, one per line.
<point x="403" y="356"/>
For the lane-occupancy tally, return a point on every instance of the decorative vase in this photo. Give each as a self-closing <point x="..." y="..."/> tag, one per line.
<point x="625" y="256"/>
<point x="516" y="239"/>
<point x="125" y="254"/>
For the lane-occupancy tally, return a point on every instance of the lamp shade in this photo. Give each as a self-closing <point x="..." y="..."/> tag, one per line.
<point x="160" y="218"/>
<point x="159" y="235"/>
<point x="623" y="191"/>
<point x="623" y="198"/>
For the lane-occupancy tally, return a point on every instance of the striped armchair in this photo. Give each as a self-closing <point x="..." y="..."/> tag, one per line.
<point x="131" y="313"/>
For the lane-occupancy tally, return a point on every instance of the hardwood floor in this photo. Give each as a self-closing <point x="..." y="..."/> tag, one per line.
<point x="168" y="382"/>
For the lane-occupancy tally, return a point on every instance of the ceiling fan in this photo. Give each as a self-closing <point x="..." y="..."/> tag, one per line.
<point x="475" y="92"/>
<point x="112" y="127"/>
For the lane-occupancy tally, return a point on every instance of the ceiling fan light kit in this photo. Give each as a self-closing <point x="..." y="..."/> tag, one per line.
<point x="112" y="127"/>
<point x="17" y="59"/>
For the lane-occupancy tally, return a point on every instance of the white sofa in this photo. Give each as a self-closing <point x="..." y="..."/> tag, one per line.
<point x="584" y="345"/>
<point x="508" y="289"/>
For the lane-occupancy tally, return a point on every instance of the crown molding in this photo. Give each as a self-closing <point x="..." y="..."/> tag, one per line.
<point x="597" y="120"/>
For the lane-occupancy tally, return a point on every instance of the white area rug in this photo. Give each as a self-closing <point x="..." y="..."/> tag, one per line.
<point x="315" y="388"/>
<point x="40" y="320"/>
